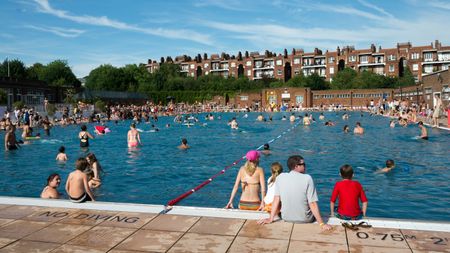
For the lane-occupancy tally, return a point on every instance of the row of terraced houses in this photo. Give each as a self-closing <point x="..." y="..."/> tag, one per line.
<point x="421" y="60"/>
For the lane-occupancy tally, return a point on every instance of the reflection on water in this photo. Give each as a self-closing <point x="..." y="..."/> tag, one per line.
<point x="158" y="171"/>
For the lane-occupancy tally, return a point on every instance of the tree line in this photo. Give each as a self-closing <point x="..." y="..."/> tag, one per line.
<point x="55" y="73"/>
<point x="168" y="81"/>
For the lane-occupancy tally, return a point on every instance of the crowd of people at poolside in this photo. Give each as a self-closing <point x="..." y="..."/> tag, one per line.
<point x="290" y="195"/>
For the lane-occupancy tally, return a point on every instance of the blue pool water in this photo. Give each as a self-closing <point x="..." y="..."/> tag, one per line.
<point x="159" y="172"/>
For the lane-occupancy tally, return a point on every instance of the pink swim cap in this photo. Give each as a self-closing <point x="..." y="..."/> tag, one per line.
<point x="252" y="155"/>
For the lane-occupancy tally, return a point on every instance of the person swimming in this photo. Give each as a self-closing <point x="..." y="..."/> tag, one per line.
<point x="184" y="144"/>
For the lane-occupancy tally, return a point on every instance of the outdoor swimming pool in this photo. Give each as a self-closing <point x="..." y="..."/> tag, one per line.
<point x="159" y="172"/>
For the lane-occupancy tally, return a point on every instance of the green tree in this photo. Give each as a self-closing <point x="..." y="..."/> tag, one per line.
<point x="343" y="79"/>
<point x="368" y="80"/>
<point x="297" y="81"/>
<point x="107" y="77"/>
<point x="35" y="72"/>
<point x="3" y="97"/>
<point x="17" y="69"/>
<point x="58" y="73"/>
<point x="316" y="82"/>
<point x="407" y="79"/>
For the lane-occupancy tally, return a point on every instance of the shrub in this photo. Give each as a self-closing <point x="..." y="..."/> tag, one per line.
<point x="100" y="106"/>
<point x="19" y="105"/>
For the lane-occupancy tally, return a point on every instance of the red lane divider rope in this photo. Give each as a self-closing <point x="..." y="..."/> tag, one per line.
<point x="198" y="187"/>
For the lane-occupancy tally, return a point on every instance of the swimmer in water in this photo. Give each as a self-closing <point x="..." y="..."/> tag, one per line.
<point x="321" y="117"/>
<point x="133" y="137"/>
<point x="266" y="150"/>
<point x="260" y="117"/>
<point x="233" y="124"/>
<point x="184" y="144"/>
<point x="345" y="116"/>
<point x="390" y="165"/>
<point x="358" y="129"/>
<point x="423" y="131"/>
<point x="51" y="189"/>
<point x="61" y="157"/>
<point x="306" y="120"/>
<point x="346" y="129"/>
<point x="392" y="124"/>
<point x="292" y="118"/>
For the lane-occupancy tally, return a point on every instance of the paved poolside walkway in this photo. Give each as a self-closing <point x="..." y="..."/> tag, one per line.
<point x="33" y="228"/>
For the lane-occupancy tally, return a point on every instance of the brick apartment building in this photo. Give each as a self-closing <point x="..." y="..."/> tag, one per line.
<point x="436" y="83"/>
<point x="421" y="60"/>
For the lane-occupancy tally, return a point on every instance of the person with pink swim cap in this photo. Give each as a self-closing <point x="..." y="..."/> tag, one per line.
<point x="251" y="177"/>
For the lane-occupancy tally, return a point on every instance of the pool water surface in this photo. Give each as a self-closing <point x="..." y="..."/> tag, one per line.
<point x="158" y="171"/>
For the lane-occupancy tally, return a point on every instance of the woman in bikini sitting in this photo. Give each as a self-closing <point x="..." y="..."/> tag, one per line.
<point x="133" y="137"/>
<point x="251" y="177"/>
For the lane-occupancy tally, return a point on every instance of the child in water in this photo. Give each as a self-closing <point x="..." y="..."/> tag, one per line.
<point x="61" y="157"/>
<point x="349" y="193"/>
<point x="390" y="165"/>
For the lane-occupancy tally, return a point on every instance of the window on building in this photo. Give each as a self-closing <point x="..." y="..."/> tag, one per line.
<point x="279" y="62"/>
<point x="279" y="72"/>
<point x="249" y="73"/>
<point x="379" y="70"/>
<point x="428" y="69"/>
<point x="331" y="59"/>
<point x="296" y="60"/>
<point x="415" y="67"/>
<point x="331" y="70"/>
<point x="192" y="66"/>
<point x="379" y="59"/>
<point x="258" y="64"/>
<point x="444" y="57"/>
<point x="244" y="98"/>
<point x="206" y="65"/>
<point x="192" y="74"/>
<point x="392" y="57"/>
<point x="391" y="68"/>
<point x="233" y="64"/>
<point x="248" y="63"/>
<point x="307" y="61"/>
<point x="428" y="56"/>
<point x="364" y="59"/>
<point x="415" y="56"/>
<point x="352" y="58"/>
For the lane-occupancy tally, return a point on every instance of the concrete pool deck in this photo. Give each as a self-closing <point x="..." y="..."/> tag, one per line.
<point x="36" y="225"/>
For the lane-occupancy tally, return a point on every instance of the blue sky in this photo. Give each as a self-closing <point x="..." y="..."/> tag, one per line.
<point x="89" y="33"/>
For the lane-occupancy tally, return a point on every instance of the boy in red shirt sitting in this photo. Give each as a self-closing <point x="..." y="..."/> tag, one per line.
<point x="349" y="193"/>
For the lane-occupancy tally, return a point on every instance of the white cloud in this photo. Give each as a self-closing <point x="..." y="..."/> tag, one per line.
<point x="372" y="6"/>
<point x="63" y="32"/>
<point x="440" y="4"/>
<point x="233" y="5"/>
<point x="348" y="10"/>
<point x="44" y="7"/>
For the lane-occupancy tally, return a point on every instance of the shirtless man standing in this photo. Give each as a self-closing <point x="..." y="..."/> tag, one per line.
<point x="77" y="186"/>
<point x="358" y="129"/>
<point x="133" y="137"/>
<point x="10" y="138"/>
